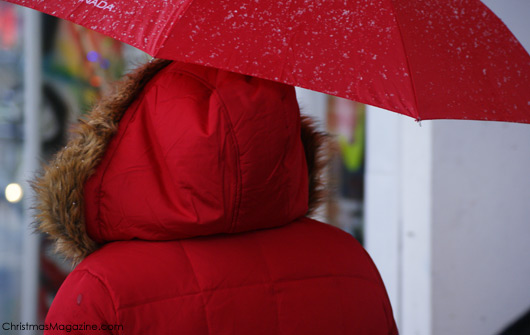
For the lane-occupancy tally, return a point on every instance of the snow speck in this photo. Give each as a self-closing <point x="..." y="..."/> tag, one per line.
<point x="229" y="16"/>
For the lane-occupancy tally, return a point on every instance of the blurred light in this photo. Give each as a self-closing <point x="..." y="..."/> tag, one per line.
<point x="9" y="29"/>
<point x="13" y="192"/>
<point x="92" y="56"/>
<point x="105" y="63"/>
<point x="95" y="81"/>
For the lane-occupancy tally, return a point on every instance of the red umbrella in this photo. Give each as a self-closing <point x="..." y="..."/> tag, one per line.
<point x="437" y="59"/>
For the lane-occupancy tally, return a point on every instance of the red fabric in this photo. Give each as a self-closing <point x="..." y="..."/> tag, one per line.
<point x="303" y="278"/>
<point x="196" y="155"/>
<point x="199" y="202"/>
<point x="437" y="59"/>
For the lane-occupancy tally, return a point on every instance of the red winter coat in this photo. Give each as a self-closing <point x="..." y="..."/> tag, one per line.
<point x="184" y="196"/>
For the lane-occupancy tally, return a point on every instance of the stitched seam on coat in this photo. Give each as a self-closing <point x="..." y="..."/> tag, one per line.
<point x="199" y="286"/>
<point x="275" y="296"/>
<point x="106" y="289"/>
<point x="239" y="186"/>
<point x="342" y="309"/>
<point x="155" y="300"/>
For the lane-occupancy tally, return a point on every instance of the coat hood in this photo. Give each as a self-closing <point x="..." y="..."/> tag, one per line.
<point x="180" y="151"/>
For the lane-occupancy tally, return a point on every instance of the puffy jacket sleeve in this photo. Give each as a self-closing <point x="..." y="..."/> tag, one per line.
<point x="83" y="305"/>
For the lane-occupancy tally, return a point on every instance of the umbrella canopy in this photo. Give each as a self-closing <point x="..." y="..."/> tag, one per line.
<point x="436" y="59"/>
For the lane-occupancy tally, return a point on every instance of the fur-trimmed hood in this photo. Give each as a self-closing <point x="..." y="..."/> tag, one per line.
<point x="179" y="151"/>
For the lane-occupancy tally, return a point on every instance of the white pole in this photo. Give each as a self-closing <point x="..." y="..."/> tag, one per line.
<point x="416" y="215"/>
<point x="383" y="224"/>
<point x="32" y="103"/>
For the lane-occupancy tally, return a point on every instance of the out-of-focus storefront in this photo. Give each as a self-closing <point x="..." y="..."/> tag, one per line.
<point x="346" y="124"/>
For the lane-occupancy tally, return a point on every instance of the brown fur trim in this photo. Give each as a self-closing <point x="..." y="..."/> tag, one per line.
<point x="316" y="147"/>
<point x="59" y="189"/>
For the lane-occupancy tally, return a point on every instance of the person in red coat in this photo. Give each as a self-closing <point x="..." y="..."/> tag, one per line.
<point x="183" y="199"/>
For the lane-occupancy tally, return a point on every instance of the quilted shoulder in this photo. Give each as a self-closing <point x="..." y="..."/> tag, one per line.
<point x="294" y="279"/>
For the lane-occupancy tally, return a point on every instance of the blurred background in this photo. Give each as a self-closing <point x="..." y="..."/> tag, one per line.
<point x="442" y="207"/>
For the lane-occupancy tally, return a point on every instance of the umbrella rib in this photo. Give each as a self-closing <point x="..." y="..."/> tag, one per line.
<point x="417" y="112"/>
<point x="175" y="15"/>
